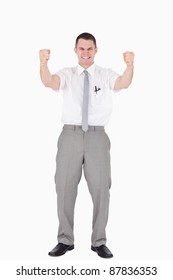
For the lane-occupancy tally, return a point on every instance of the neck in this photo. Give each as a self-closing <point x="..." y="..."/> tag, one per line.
<point x="85" y="66"/>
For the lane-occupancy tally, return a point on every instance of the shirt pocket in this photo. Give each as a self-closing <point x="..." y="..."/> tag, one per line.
<point x="97" y="95"/>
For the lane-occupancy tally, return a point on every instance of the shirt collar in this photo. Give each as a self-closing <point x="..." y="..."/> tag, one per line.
<point x="90" y="69"/>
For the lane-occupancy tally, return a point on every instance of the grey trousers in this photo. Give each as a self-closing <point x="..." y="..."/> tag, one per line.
<point x="89" y="151"/>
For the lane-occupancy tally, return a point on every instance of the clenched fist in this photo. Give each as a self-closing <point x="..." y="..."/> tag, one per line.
<point x="128" y="58"/>
<point x="44" y="56"/>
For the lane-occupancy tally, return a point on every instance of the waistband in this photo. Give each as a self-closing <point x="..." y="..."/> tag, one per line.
<point x="79" y="127"/>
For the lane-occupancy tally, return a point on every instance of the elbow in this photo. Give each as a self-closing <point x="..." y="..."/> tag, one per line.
<point x="53" y="83"/>
<point x="46" y="83"/>
<point x="126" y="85"/>
<point x="122" y="83"/>
<point x="53" y="86"/>
<point x="122" y="86"/>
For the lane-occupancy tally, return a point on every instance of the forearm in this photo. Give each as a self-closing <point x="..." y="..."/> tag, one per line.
<point x="45" y="74"/>
<point x="52" y="81"/>
<point x="125" y="80"/>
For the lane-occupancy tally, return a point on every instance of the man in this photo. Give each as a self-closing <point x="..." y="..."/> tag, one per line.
<point x="83" y="142"/>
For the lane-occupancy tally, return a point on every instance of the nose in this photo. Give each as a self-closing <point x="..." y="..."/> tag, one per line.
<point x="86" y="52"/>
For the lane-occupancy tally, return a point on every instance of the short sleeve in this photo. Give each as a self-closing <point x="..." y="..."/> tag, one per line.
<point x="64" y="75"/>
<point x="112" y="76"/>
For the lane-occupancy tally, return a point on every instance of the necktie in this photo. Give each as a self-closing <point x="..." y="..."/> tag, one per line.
<point x="85" y="102"/>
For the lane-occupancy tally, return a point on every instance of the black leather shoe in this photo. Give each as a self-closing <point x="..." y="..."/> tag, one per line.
<point x="102" y="251"/>
<point x="60" y="249"/>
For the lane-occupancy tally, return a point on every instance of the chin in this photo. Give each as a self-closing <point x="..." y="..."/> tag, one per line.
<point x="88" y="62"/>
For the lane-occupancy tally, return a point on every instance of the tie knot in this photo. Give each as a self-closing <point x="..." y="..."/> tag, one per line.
<point x="85" y="72"/>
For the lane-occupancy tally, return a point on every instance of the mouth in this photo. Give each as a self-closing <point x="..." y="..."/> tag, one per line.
<point x="85" y="57"/>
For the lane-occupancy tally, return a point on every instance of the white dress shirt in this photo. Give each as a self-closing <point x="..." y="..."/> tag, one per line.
<point x="101" y="83"/>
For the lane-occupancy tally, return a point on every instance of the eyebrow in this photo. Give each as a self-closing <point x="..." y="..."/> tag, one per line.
<point x="81" y="48"/>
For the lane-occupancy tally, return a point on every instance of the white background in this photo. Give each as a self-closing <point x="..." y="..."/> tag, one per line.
<point x="140" y="129"/>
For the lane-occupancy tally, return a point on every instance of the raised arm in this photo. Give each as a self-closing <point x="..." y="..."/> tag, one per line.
<point x="52" y="81"/>
<point x="125" y="80"/>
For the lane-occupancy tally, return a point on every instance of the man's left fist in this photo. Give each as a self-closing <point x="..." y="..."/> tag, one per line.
<point x="128" y="58"/>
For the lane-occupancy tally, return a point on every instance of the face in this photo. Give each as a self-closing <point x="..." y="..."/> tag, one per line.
<point x="85" y="51"/>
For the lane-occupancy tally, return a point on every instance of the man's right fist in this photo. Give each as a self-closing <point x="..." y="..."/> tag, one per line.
<point x="44" y="56"/>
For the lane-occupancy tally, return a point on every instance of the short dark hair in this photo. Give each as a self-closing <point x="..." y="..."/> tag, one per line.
<point x="86" y="36"/>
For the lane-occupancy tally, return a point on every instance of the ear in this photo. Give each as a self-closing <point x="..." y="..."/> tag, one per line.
<point x="96" y="49"/>
<point x="75" y="49"/>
